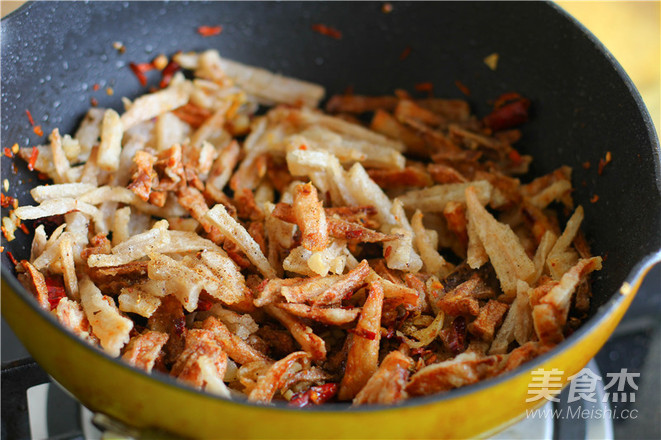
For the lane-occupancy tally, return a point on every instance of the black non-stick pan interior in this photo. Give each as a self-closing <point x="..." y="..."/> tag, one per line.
<point x="583" y="104"/>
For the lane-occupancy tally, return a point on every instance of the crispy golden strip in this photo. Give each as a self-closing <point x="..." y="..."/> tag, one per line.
<point x="388" y="384"/>
<point x="143" y="350"/>
<point x="363" y="357"/>
<point x="235" y="347"/>
<point x="490" y="317"/>
<point x="328" y="316"/>
<point x="503" y="247"/>
<point x="465" y="369"/>
<point x="310" y="217"/>
<point x="360" y="104"/>
<point x="236" y="233"/>
<point x="303" y="334"/>
<point x="345" y="285"/>
<point x="202" y="364"/>
<point x="277" y="376"/>
<point x="36" y="283"/>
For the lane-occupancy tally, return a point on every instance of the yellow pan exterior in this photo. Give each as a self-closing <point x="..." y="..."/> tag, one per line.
<point x="144" y="402"/>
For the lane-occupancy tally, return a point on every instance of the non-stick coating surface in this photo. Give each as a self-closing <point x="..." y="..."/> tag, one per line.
<point x="583" y="105"/>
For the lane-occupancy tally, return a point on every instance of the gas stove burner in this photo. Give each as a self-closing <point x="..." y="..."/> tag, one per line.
<point x="55" y="414"/>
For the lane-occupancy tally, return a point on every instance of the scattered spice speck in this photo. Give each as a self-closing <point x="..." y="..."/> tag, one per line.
<point x="603" y="162"/>
<point x="96" y="87"/>
<point x="594" y="198"/>
<point x="327" y="30"/>
<point x="110" y="91"/>
<point x="119" y="46"/>
<point x="587" y="165"/>
<point x="37" y="130"/>
<point x="33" y="158"/>
<point x="209" y="31"/>
<point x="94" y="102"/>
<point x="7" y="152"/>
<point x="14" y="148"/>
<point x="386" y="8"/>
<point x="405" y="53"/>
<point x="492" y="61"/>
<point x="462" y="88"/>
<point x="426" y="87"/>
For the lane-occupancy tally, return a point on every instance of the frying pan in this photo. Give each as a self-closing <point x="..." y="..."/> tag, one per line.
<point x="584" y="105"/>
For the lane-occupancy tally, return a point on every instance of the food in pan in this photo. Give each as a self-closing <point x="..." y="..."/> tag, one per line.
<point x="226" y="231"/>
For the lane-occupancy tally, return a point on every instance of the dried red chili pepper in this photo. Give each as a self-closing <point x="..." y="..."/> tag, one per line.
<point x="314" y="396"/>
<point x="424" y="87"/>
<point x="33" y="158"/>
<point x="12" y="258"/>
<point x="463" y="88"/>
<point x="209" y="31"/>
<point x="37" y="130"/>
<point x="508" y="115"/>
<point x="457" y="338"/>
<point x="139" y="71"/>
<point x="327" y="30"/>
<point x="7" y="152"/>
<point x="168" y="72"/>
<point x="27" y="112"/>
<point x="55" y="290"/>
<point x="6" y="201"/>
<point x="405" y="53"/>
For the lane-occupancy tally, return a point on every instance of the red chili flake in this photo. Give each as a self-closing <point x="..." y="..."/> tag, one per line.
<point x="43" y="176"/>
<point x="5" y="233"/>
<point x="6" y="201"/>
<point x="515" y="157"/>
<point x="37" y="130"/>
<point x="24" y="228"/>
<point x="387" y="251"/>
<point x="33" y="158"/>
<point x="587" y="165"/>
<point x="12" y="259"/>
<point x="303" y="147"/>
<point x="458" y="337"/>
<point x="94" y="102"/>
<point x="363" y="333"/>
<point x="604" y="162"/>
<point x="168" y="72"/>
<point x="505" y="98"/>
<point x="139" y="71"/>
<point x="594" y="198"/>
<point x="27" y="112"/>
<point x="462" y="88"/>
<point x="386" y="8"/>
<point x="314" y="396"/>
<point x="203" y="305"/>
<point x="56" y="290"/>
<point x="327" y="30"/>
<point x="7" y="152"/>
<point x="209" y="31"/>
<point x="405" y="53"/>
<point x="96" y="87"/>
<point x="508" y="116"/>
<point x="425" y="87"/>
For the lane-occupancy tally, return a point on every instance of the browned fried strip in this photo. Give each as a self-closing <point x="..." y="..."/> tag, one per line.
<point x="328" y="316"/>
<point x="36" y="283"/>
<point x="409" y="176"/>
<point x="143" y="350"/>
<point x="490" y="317"/>
<point x="202" y="364"/>
<point x="360" y="104"/>
<point x="363" y="357"/>
<point x="277" y="376"/>
<point x="235" y="347"/>
<point x="310" y="217"/>
<point x="387" y="385"/>
<point x="303" y="334"/>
